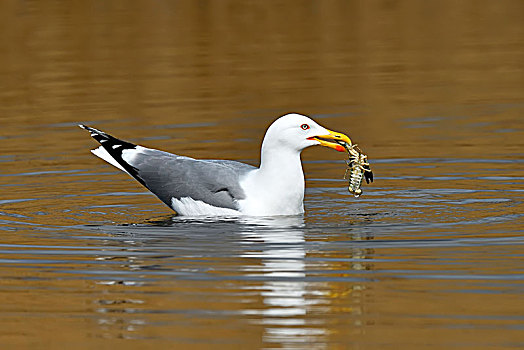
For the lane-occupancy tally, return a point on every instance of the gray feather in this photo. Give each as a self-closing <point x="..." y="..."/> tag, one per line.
<point x="215" y="182"/>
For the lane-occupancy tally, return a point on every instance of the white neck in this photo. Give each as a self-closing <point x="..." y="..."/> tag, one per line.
<point x="277" y="187"/>
<point x="284" y="165"/>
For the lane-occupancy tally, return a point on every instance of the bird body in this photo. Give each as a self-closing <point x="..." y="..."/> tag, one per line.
<point x="195" y="187"/>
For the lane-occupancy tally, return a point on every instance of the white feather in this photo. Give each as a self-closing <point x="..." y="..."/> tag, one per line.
<point x="100" y="152"/>
<point x="129" y="155"/>
<point x="189" y="207"/>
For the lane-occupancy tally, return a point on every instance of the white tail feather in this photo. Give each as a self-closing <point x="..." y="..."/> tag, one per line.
<point x="100" y="152"/>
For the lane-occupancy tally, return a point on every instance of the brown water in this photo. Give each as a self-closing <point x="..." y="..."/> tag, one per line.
<point x="430" y="257"/>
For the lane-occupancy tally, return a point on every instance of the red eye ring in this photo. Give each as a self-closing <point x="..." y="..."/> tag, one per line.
<point x="304" y="126"/>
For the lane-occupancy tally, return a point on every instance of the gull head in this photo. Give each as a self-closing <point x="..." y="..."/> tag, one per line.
<point x="295" y="132"/>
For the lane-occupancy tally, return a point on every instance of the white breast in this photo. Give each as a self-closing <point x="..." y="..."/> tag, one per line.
<point x="268" y="194"/>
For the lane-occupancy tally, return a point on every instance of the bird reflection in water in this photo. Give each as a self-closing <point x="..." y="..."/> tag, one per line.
<point x="290" y="298"/>
<point x="275" y="259"/>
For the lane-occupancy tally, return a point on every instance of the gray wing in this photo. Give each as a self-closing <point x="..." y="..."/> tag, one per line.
<point x="215" y="182"/>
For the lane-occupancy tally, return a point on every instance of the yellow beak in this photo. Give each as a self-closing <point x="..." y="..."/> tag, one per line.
<point x="333" y="140"/>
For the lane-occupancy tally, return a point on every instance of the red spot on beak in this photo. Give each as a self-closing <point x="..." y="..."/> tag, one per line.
<point x="340" y="148"/>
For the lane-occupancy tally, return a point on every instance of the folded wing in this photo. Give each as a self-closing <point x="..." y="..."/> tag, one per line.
<point x="215" y="182"/>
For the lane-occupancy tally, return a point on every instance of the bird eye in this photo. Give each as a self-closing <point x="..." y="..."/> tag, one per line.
<point x="304" y="126"/>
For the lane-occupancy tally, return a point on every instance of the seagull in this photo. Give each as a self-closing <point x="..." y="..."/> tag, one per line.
<point x="211" y="187"/>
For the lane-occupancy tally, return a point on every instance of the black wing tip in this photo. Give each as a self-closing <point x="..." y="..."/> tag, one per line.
<point x="83" y="126"/>
<point x="100" y="136"/>
<point x="110" y="143"/>
<point x="90" y="129"/>
<point x="114" y="147"/>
